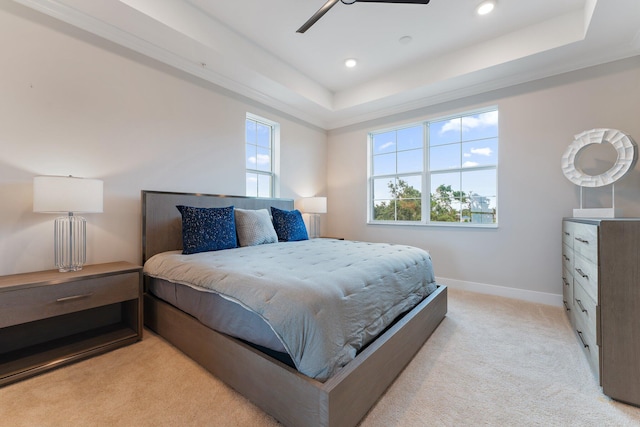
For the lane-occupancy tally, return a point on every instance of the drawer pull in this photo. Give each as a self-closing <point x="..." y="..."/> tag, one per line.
<point x="579" y="302"/>
<point x="586" y="242"/>
<point x="566" y="306"/>
<point x="580" y="272"/>
<point x="565" y="281"/>
<point x="71" y="298"/>
<point x="582" y="339"/>
<point x="566" y="257"/>
<point x="567" y="233"/>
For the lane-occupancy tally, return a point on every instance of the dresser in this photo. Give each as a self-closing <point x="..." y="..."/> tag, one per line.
<point x="49" y="319"/>
<point x="601" y="294"/>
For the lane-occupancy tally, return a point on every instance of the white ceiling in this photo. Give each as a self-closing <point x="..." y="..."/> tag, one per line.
<point x="251" y="47"/>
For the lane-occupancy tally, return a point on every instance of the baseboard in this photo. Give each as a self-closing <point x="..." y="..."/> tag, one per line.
<point x="503" y="291"/>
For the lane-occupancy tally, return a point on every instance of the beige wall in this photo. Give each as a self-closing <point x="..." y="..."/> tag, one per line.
<point x="537" y="122"/>
<point x="71" y="103"/>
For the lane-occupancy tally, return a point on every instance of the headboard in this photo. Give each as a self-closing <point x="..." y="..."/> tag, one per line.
<point x="162" y="222"/>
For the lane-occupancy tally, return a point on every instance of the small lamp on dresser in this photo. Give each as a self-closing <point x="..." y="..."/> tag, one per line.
<point x="62" y="194"/>
<point x="314" y="206"/>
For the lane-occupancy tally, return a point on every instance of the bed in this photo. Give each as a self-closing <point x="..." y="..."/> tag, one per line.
<point x="339" y="398"/>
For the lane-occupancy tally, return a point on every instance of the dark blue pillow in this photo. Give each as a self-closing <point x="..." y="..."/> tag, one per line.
<point x="289" y="225"/>
<point x="207" y="229"/>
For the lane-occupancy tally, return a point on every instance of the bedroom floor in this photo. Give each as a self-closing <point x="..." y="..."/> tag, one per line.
<point x="492" y="361"/>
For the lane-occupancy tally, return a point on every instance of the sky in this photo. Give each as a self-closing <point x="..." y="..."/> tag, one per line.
<point x="458" y="150"/>
<point x="258" y="157"/>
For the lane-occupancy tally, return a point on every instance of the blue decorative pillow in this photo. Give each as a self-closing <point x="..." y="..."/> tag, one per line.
<point x="207" y="229"/>
<point x="289" y="225"/>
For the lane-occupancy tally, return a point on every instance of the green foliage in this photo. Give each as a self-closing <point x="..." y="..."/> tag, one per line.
<point x="445" y="202"/>
<point x="442" y="205"/>
<point x="405" y="206"/>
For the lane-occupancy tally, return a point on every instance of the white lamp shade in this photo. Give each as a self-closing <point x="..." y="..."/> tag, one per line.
<point x="67" y="194"/>
<point x="314" y="205"/>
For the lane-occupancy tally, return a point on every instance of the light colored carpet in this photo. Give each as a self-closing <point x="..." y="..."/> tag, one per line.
<point x="491" y="362"/>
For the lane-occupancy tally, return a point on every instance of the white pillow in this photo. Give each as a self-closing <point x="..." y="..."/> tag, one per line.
<point x="254" y="227"/>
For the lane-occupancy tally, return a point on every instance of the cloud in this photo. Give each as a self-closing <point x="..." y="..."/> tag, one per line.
<point x="262" y="159"/>
<point x="481" y="120"/>
<point x="486" y="151"/>
<point x="467" y="154"/>
<point x="471" y="122"/>
<point x="470" y="164"/>
<point x="387" y="145"/>
<point x="451" y="125"/>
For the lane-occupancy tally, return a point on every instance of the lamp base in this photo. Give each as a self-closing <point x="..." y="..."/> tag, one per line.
<point x="70" y="243"/>
<point x="68" y="269"/>
<point x="314" y="226"/>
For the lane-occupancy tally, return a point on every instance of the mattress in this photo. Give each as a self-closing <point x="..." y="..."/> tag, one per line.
<point x="323" y="299"/>
<point x="217" y="312"/>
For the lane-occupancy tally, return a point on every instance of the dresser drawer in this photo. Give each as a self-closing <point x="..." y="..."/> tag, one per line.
<point x="586" y="273"/>
<point x="40" y="302"/>
<point x="585" y="308"/>
<point x="567" y="289"/>
<point x="567" y="233"/>
<point x="588" y="345"/>
<point x="585" y="241"/>
<point x="567" y="257"/>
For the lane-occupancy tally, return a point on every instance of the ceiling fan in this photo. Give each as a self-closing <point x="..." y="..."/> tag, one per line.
<point x="330" y="3"/>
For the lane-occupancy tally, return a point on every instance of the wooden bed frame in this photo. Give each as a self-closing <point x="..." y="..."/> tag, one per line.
<point x="281" y="391"/>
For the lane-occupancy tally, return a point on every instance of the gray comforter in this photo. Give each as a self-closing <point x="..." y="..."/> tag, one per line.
<point x="325" y="299"/>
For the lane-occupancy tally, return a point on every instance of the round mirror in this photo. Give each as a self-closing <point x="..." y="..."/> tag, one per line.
<point x="624" y="146"/>
<point x="596" y="159"/>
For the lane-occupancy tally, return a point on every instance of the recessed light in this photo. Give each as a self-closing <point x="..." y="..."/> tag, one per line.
<point x="350" y="63"/>
<point x="405" y="39"/>
<point x="485" y="7"/>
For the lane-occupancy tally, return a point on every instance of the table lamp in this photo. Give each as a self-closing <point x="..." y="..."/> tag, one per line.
<point x="62" y="194"/>
<point x="314" y="206"/>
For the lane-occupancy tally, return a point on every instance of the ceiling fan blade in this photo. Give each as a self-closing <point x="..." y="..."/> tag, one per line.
<point x="395" y="1"/>
<point x="319" y="14"/>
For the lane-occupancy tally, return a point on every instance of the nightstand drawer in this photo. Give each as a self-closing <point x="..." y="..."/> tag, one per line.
<point x="41" y="302"/>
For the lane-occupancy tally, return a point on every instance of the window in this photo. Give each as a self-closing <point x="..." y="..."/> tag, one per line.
<point x="455" y="158"/>
<point x="261" y="139"/>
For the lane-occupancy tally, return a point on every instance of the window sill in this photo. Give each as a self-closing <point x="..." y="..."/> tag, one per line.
<point x="460" y="225"/>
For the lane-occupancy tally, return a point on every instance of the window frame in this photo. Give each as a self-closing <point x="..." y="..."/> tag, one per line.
<point x="427" y="173"/>
<point x="274" y="168"/>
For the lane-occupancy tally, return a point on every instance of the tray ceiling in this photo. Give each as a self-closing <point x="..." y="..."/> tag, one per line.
<point x="409" y="56"/>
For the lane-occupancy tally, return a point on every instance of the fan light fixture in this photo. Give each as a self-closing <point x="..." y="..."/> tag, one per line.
<point x="350" y="63"/>
<point x="485" y="7"/>
<point x="330" y="3"/>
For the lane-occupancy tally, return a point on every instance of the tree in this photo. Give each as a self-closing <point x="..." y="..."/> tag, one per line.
<point x="447" y="205"/>
<point x="442" y="208"/>
<point x="406" y="204"/>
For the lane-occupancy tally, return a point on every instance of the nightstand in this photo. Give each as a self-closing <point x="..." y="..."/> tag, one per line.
<point x="49" y="319"/>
